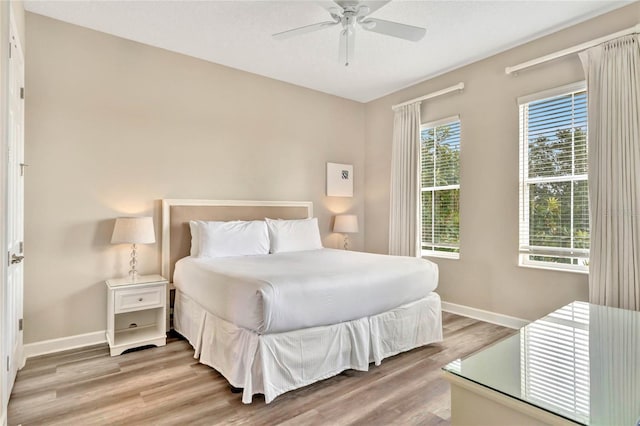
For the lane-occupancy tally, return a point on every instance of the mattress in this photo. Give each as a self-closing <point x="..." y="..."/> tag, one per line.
<point x="288" y="291"/>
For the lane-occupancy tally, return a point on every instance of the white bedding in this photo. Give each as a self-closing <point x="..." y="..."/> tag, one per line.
<point x="272" y="364"/>
<point x="288" y="291"/>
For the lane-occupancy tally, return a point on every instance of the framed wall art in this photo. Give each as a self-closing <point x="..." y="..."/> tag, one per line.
<point x="339" y="180"/>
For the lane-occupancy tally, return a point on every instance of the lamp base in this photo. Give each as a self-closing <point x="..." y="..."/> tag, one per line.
<point x="133" y="272"/>
<point x="346" y="242"/>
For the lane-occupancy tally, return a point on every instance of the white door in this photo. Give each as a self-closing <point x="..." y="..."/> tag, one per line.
<point x="13" y="356"/>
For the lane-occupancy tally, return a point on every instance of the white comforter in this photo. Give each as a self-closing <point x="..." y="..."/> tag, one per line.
<point x="289" y="291"/>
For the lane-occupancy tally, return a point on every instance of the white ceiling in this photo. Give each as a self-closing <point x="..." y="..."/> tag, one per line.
<point x="238" y="34"/>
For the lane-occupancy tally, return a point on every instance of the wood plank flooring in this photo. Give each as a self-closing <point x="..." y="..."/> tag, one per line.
<point x="166" y="386"/>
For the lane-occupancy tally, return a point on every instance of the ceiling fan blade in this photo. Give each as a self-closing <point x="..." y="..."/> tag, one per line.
<point x="347" y="45"/>
<point x="328" y="4"/>
<point x="393" y="29"/>
<point x="362" y="12"/>
<point x="303" y="30"/>
<point x="334" y="9"/>
<point x="374" y="5"/>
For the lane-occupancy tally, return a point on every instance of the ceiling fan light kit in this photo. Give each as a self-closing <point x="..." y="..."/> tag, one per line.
<point x="348" y="13"/>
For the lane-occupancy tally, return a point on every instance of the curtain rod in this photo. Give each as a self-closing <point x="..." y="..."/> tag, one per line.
<point x="458" y="86"/>
<point x="571" y="50"/>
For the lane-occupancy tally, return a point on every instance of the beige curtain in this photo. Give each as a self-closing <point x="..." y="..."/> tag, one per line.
<point x="613" y="84"/>
<point x="614" y="345"/>
<point x="405" y="158"/>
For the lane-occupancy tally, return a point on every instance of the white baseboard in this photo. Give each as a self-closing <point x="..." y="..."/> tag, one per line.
<point x="482" y="315"/>
<point x="64" y="343"/>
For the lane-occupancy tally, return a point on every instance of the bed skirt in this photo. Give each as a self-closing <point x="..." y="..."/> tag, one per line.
<point x="272" y="364"/>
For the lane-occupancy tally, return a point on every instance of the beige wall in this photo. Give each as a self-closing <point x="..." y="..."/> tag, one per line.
<point x="113" y="126"/>
<point x="487" y="275"/>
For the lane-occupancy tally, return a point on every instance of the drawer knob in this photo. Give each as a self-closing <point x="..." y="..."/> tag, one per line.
<point x="140" y="299"/>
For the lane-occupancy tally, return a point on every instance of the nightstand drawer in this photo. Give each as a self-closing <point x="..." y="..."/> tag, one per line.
<point x="137" y="299"/>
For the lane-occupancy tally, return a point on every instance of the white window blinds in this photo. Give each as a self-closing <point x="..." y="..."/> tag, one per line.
<point x="440" y="186"/>
<point x="554" y="207"/>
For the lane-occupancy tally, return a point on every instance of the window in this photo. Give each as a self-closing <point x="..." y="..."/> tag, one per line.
<point x="440" y="187"/>
<point x="554" y="205"/>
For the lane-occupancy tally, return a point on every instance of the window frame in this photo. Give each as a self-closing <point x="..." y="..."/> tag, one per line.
<point x="523" y="208"/>
<point x="434" y="253"/>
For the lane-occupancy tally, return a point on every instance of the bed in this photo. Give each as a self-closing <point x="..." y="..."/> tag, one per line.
<point x="271" y="323"/>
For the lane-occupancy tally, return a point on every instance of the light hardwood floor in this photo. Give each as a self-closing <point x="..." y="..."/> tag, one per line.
<point x="167" y="386"/>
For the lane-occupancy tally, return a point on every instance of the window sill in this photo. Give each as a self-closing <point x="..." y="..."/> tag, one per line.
<point x="441" y="255"/>
<point x="554" y="268"/>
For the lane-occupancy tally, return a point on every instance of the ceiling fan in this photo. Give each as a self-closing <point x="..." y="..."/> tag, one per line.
<point x="352" y="12"/>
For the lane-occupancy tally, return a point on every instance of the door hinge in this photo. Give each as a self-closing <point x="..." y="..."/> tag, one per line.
<point x="20" y="324"/>
<point x="8" y="365"/>
<point x="9" y="50"/>
<point x="22" y="93"/>
<point x="8" y="258"/>
<point x="21" y="246"/>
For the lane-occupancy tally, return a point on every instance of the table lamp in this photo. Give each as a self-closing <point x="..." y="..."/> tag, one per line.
<point x="133" y="230"/>
<point x="346" y="224"/>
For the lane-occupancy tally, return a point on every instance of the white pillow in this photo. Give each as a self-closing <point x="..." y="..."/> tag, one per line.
<point x="195" y="237"/>
<point x="235" y="238"/>
<point x="294" y="235"/>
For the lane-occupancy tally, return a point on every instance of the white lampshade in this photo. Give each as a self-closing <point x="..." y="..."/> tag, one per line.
<point x="135" y="230"/>
<point x="346" y="224"/>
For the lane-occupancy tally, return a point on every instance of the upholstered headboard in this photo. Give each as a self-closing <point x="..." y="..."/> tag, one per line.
<point x="176" y="214"/>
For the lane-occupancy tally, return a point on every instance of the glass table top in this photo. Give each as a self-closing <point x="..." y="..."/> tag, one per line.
<point x="581" y="362"/>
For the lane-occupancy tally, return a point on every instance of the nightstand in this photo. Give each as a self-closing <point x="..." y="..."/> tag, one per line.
<point x="136" y="312"/>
